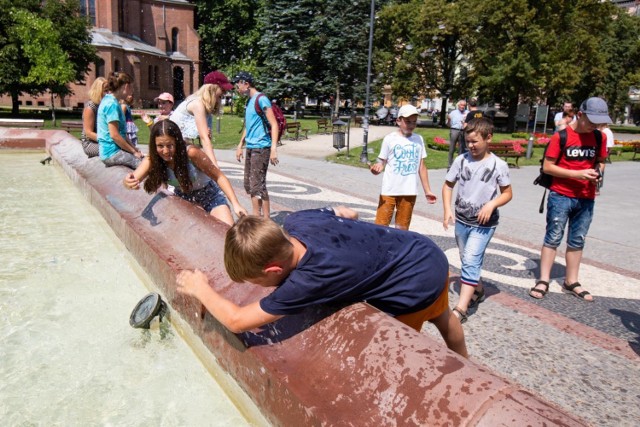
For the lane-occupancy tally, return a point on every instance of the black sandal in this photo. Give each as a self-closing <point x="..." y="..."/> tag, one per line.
<point x="462" y="315"/>
<point x="479" y="297"/>
<point x="542" y="292"/>
<point x="570" y="288"/>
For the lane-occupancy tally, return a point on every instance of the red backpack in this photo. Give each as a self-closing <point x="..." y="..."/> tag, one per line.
<point x="277" y="112"/>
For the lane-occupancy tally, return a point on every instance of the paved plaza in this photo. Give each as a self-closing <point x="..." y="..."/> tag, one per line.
<point x="583" y="356"/>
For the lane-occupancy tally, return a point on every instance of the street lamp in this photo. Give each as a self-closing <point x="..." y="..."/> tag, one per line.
<point x="364" y="158"/>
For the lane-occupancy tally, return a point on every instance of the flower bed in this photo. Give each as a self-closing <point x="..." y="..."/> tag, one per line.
<point x="439" y="144"/>
<point x="517" y="144"/>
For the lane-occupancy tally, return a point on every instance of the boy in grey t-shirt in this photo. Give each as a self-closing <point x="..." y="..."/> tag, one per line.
<point x="480" y="174"/>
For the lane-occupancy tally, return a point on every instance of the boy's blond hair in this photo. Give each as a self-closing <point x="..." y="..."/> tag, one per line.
<point x="207" y="93"/>
<point x="251" y="244"/>
<point x="483" y="126"/>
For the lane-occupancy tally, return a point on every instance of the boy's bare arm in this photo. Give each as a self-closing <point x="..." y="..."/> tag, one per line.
<point x="423" y="173"/>
<point x="345" y="212"/>
<point x="234" y="317"/>
<point x="447" y="190"/>
<point x="506" y="194"/>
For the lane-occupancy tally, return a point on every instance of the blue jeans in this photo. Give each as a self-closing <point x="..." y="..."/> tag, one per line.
<point x="472" y="242"/>
<point x="562" y="209"/>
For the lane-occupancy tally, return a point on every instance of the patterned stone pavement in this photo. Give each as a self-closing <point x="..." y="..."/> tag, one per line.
<point x="583" y="356"/>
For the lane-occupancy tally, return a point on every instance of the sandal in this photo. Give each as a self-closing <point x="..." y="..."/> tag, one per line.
<point x="541" y="292"/>
<point x="570" y="289"/>
<point x="462" y="315"/>
<point x="477" y="298"/>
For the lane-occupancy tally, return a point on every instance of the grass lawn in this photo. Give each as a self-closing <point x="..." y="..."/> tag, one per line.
<point x="437" y="159"/>
<point x="231" y="127"/>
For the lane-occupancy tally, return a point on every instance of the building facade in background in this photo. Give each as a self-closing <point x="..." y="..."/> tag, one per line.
<point x="152" y="40"/>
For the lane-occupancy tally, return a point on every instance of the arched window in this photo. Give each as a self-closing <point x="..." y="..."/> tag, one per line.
<point x="99" y="68"/>
<point x="178" y="84"/>
<point x="174" y="39"/>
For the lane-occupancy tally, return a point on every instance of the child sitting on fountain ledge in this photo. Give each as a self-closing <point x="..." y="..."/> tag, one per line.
<point x="325" y="256"/>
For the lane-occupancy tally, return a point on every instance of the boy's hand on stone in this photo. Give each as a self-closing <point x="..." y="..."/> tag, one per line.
<point x="190" y="282"/>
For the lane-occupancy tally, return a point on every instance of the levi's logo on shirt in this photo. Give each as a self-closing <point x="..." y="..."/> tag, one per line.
<point x="580" y="153"/>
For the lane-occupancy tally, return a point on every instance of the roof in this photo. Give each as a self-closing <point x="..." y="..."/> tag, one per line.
<point x="105" y="38"/>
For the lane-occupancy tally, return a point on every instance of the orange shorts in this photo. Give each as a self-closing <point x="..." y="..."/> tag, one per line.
<point x="416" y="319"/>
<point x="403" y="207"/>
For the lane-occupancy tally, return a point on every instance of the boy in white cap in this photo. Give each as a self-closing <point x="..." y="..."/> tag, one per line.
<point x="576" y="168"/>
<point x="402" y="157"/>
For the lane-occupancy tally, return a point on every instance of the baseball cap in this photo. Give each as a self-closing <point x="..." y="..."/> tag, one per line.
<point x="218" y="78"/>
<point x="407" y="111"/>
<point x="243" y="76"/>
<point x="596" y="110"/>
<point x="164" y="96"/>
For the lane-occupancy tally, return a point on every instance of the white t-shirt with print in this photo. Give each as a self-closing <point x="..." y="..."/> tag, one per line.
<point x="403" y="156"/>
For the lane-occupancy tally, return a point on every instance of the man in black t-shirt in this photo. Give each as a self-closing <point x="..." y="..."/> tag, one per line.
<point x="474" y="113"/>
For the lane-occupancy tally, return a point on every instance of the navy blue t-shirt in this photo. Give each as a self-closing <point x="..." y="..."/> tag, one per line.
<point x="349" y="261"/>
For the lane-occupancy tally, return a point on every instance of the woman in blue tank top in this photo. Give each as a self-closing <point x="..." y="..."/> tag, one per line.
<point x="187" y="168"/>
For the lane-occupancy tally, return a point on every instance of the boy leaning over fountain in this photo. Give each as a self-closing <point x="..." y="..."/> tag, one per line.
<point x="325" y="256"/>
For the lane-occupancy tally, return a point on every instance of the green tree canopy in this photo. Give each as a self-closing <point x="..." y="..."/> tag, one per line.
<point x="43" y="46"/>
<point x="229" y="32"/>
<point x="421" y="47"/>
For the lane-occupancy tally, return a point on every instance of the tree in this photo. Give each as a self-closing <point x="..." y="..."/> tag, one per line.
<point x="622" y="47"/>
<point x="422" y="47"/>
<point x="315" y="48"/>
<point x="42" y="47"/>
<point x="286" y="54"/>
<point x="229" y="32"/>
<point x="342" y="39"/>
<point x="539" y="51"/>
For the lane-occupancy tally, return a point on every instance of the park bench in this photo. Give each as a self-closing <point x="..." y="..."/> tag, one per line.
<point x="324" y="126"/>
<point x="293" y="131"/>
<point x="357" y="121"/>
<point x="71" y="125"/>
<point x="635" y="148"/>
<point x="506" y="150"/>
<point x="22" y="123"/>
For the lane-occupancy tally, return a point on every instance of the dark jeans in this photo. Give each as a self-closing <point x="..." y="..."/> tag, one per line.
<point x="456" y="135"/>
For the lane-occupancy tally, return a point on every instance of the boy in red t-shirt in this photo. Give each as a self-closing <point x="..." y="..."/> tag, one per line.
<point x="572" y="194"/>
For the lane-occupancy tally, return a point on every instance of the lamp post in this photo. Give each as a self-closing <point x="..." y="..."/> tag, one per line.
<point x="364" y="158"/>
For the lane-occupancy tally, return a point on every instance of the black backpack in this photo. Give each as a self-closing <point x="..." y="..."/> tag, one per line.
<point x="544" y="179"/>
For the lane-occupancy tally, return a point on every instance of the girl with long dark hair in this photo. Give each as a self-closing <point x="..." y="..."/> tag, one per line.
<point x="187" y="168"/>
